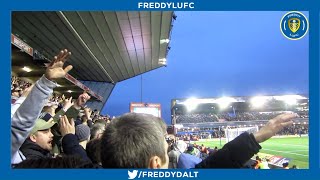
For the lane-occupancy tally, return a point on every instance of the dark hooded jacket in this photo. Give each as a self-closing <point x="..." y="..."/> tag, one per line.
<point x="32" y="150"/>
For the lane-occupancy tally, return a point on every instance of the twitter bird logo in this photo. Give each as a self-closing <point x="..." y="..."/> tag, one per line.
<point x="132" y="174"/>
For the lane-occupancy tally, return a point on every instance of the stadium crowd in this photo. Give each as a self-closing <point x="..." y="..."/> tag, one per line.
<point x="193" y="135"/>
<point x="58" y="132"/>
<point x="199" y="118"/>
<point x="18" y="87"/>
<point x="223" y="116"/>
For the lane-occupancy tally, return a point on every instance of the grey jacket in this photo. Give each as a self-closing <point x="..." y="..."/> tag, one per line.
<point x="24" y="118"/>
<point x="16" y="105"/>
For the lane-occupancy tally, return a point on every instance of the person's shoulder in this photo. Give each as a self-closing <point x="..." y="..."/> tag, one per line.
<point x="187" y="161"/>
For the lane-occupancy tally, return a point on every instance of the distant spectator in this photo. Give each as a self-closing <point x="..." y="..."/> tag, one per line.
<point x="264" y="164"/>
<point x="215" y="150"/>
<point x="285" y="165"/>
<point x="258" y="162"/>
<point x="14" y="95"/>
<point x="83" y="134"/>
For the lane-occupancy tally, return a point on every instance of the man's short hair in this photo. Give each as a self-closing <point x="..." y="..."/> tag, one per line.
<point x="130" y="140"/>
<point x="96" y="129"/>
<point x="93" y="150"/>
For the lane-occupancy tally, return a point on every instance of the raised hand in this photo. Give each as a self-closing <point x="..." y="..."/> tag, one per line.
<point x="82" y="99"/>
<point x="87" y="112"/>
<point x="55" y="69"/>
<point x="66" y="127"/>
<point x="274" y="126"/>
<point x="67" y="104"/>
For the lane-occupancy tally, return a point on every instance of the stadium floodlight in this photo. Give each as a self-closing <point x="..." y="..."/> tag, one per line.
<point x="224" y="102"/>
<point x="293" y="96"/>
<point x="162" y="41"/>
<point x="162" y="61"/>
<point x="258" y="101"/>
<point x="290" y="99"/>
<point x="27" y="69"/>
<point x="191" y="104"/>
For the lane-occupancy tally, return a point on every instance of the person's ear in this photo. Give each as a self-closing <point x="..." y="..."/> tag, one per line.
<point x="155" y="162"/>
<point x="33" y="138"/>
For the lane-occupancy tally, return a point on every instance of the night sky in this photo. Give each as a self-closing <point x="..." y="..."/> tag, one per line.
<point x="216" y="54"/>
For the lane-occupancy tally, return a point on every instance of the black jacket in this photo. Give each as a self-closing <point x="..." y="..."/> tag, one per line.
<point x="233" y="154"/>
<point x="33" y="151"/>
<point x="71" y="146"/>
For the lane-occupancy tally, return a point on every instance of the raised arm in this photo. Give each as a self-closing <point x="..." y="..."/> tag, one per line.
<point x="24" y="118"/>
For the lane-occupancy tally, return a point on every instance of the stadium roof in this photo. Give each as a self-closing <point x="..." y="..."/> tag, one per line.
<point x="106" y="46"/>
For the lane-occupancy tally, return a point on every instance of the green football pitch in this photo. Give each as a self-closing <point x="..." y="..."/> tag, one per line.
<point x="294" y="148"/>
